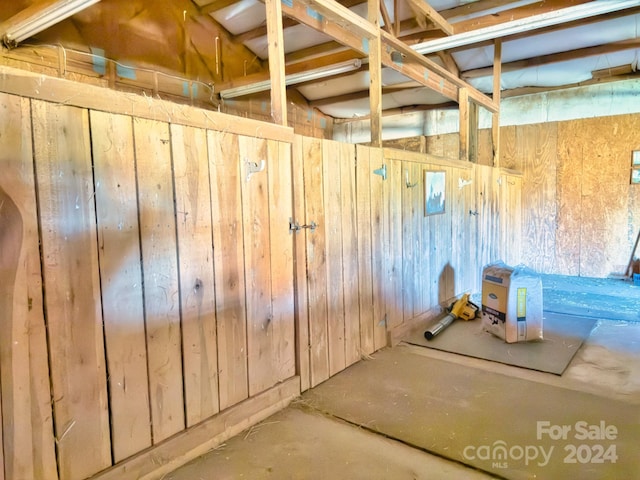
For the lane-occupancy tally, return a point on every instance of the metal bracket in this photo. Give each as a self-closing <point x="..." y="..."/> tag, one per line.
<point x="254" y="167"/>
<point x="382" y="171"/>
<point x="296" y="227"/>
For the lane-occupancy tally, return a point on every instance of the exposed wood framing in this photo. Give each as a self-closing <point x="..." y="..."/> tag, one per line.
<point x="495" y="121"/>
<point x="375" y="75"/>
<point x="422" y="7"/>
<point x="276" y="62"/>
<point x="463" y="101"/>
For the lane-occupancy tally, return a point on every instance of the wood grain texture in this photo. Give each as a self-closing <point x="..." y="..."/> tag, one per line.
<point x="282" y="265"/>
<point x="71" y="278"/>
<point x="197" y="287"/>
<point x="463" y="230"/>
<point x="393" y="252"/>
<point x="350" y="254"/>
<point x="364" y="245"/>
<point x="316" y="261"/>
<point x="379" y="249"/>
<point x="300" y="265"/>
<point x="333" y="243"/>
<point x="27" y="416"/>
<point x="257" y="263"/>
<point x="121" y="280"/>
<point x="226" y="200"/>
<point x="160" y="272"/>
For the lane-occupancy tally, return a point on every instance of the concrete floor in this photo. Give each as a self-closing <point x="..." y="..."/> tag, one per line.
<point x="414" y="412"/>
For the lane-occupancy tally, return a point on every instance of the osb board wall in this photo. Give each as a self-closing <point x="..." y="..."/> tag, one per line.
<point x="581" y="215"/>
<point x="149" y="330"/>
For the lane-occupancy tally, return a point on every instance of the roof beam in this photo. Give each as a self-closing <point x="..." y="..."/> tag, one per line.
<point x="215" y="6"/>
<point x="422" y="7"/>
<point x="276" y="62"/>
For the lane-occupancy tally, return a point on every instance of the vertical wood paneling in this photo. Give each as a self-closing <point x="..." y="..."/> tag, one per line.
<point x="463" y="229"/>
<point x="121" y="280"/>
<point x="257" y="259"/>
<point x="393" y="251"/>
<point x="26" y="397"/>
<point x="160" y="273"/>
<point x="72" y="285"/>
<point x="364" y="244"/>
<point x="197" y="288"/>
<point x="379" y="249"/>
<point x="510" y="187"/>
<point x="333" y="243"/>
<point x="350" y="254"/>
<point x="316" y="260"/>
<point x="224" y="159"/>
<point x="282" y="265"/>
<point x="300" y="264"/>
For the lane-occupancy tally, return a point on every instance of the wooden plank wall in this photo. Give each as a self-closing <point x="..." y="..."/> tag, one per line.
<point x="149" y="330"/>
<point x="397" y="266"/>
<point x="580" y="213"/>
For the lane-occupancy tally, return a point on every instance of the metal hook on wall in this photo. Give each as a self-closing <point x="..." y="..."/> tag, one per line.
<point x="407" y="182"/>
<point x="254" y="167"/>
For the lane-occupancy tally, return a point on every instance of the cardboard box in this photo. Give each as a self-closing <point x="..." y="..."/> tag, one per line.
<point x="512" y="303"/>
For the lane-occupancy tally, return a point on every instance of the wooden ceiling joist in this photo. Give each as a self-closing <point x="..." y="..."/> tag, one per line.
<point x="421" y="7"/>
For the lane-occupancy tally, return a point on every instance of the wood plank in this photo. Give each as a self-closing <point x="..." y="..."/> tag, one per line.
<point x="375" y="72"/>
<point x="495" y="119"/>
<point x="257" y="263"/>
<point x="224" y="166"/>
<point x="350" y="253"/>
<point x="364" y="241"/>
<point x="410" y="237"/>
<point x="442" y="273"/>
<point x="333" y="237"/>
<point x="71" y="280"/>
<point x="379" y="249"/>
<point x="275" y="40"/>
<point x="121" y="280"/>
<point x="465" y="135"/>
<point x="160" y="272"/>
<point x="423" y="273"/>
<point x="463" y="231"/>
<point x="300" y="264"/>
<point x="28" y="84"/>
<point x="188" y="445"/>
<point x="393" y="249"/>
<point x="282" y="261"/>
<point x="316" y="260"/>
<point x="197" y="287"/>
<point x="421" y="7"/>
<point x="28" y="427"/>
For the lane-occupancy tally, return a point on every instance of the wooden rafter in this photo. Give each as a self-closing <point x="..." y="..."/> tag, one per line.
<point x="421" y="7"/>
<point x="215" y="6"/>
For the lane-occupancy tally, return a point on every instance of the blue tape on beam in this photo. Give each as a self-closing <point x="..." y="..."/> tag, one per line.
<point x="365" y="45"/>
<point x="263" y="105"/>
<point x="126" y="72"/>
<point x="288" y="3"/>
<point x="99" y="61"/>
<point x="426" y="74"/>
<point x="323" y="123"/>
<point x="313" y="14"/>
<point x="194" y="90"/>
<point x="309" y="115"/>
<point x="185" y="89"/>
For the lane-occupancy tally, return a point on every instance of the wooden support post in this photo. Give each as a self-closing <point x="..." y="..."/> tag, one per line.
<point x="473" y="131"/>
<point x="276" y="62"/>
<point x="495" y="123"/>
<point x="432" y="14"/>
<point x="375" y="76"/>
<point x="463" y="101"/>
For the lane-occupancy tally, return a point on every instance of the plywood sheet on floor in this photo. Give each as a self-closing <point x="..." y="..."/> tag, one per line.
<point x="563" y="336"/>
<point x="298" y="444"/>
<point x="454" y="410"/>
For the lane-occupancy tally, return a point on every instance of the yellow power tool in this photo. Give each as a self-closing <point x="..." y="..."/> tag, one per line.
<point x="463" y="308"/>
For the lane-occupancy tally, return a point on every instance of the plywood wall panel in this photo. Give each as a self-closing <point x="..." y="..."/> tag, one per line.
<point x="463" y="229"/>
<point x="282" y="263"/>
<point x="121" y="282"/>
<point x="197" y="287"/>
<point x="440" y="259"/>
<point x="71" y="277"/>
<point x="537" y="146"/>
<point x="226" y="201"/>
<point x="364" y="246"/>
<point x="410" y="236"/>
<point x="160" y="272"/>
